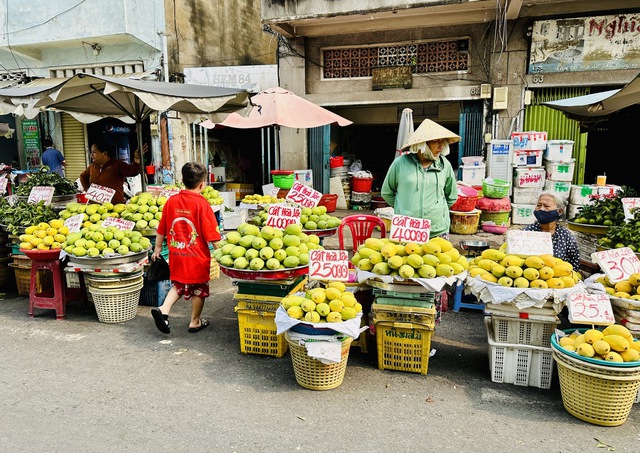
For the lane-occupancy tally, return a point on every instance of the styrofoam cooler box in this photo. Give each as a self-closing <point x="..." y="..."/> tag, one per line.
<point x="560" y="150"/>
<point x="526" y="195"/>
<point x="529" y="158"/>
<point x="473" y="174"/>
<point x="231" y="220"/>
<point x="529" y="177"/>
<point x="530" y="140"/>
<point x="573" y="210"/>
<point x="304" y="177"/>
<point x="522" y="214"/>
<point x="499" y="155"/>
<point x="580" y="194"/>
<point x="562" y="188"/>
<point x="559" y="171"/>
<point x="607" y="191"/>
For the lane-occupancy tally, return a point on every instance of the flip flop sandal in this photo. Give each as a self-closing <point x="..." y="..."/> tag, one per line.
<point x="162" y="321"/>
<point x="203" y="323"/>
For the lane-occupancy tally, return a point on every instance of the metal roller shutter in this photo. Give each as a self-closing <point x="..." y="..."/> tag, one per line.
<point x="74" y="145"/>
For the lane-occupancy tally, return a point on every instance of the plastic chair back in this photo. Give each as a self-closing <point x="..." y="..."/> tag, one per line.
<point x="361" y="227"/>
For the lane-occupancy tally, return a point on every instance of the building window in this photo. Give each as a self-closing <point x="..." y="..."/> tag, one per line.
<point x="107" y="70"/>
<point x="424" y="58"/>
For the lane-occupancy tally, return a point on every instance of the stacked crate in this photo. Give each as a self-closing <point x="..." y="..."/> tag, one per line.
<point x="403" y="323"/>
<point x="257" y="302"/>
<point x="529" y="175"/>
<point x="519" y="344"/>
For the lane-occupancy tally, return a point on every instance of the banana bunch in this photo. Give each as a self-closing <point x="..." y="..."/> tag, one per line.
<point x="435" y="258"/>
<point x="612" y="344"/>
<point x="535" y="271"/>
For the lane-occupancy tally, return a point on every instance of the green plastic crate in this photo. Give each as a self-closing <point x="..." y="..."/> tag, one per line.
<point x="267" y="289"/>
<point x="404" y="302"/>
<point x="426" y="296"/>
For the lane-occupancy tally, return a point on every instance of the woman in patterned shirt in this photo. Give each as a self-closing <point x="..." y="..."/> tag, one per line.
<point x="547" y="213"/>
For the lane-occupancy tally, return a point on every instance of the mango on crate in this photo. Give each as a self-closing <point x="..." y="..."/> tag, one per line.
<point x="323" y="305"/>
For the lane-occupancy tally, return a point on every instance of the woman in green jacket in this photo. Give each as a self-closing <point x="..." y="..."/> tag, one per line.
<point x="421" y="183"/>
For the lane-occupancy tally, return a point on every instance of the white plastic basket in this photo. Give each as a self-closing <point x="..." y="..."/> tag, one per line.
<point x="522" y="331"/>
<point x="116" y="305"/>
<point x="519" y="364"/>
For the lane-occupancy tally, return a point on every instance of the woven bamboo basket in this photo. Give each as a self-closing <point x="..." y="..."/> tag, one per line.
<point x="313" y="374"/>
<point x="599" y="394"/>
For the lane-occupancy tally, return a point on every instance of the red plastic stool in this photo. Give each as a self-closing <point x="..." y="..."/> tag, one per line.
<point x="57" y="297"/>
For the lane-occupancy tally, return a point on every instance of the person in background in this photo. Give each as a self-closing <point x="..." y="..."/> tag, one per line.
<point x="548" y="212"/>
<point x="422" y="183"/>
<point x="109" y="172"/>
<point x="53" y="158"/>
<point x="189" y="225"/>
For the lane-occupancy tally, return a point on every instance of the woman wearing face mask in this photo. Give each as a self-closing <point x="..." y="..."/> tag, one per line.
<point x="421" y="183"/>
<point x="547" y="213"/>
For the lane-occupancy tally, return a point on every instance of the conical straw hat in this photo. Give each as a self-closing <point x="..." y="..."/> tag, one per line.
<point x="430" y="130"/>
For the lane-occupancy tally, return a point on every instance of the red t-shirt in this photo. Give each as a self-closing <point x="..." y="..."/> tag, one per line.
<point x="189" y="225"/>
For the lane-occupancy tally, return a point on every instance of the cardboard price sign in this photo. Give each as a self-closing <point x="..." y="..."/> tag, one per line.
<point x="74" y="223"/>
<point x="41" y="193"/>
<point x="328" y="265"/>
<point x="168" y="193"/>
<point x="119" y="223"/>
<point x="100" y="194"/>
<point x="520" y="242"/>
<point x="629" y="204"/>
<point x="590" y="309"/>
<point x="410" y="229"/>
<point x="273" y="191"/>
<point x="3" y="184"/>
<point x="281" y="215"/>
<point x="303" y="195"/>
<point x="617" y="264"/>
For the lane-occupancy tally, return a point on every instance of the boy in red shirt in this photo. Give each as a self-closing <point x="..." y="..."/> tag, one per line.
<point x="189" y="225"/>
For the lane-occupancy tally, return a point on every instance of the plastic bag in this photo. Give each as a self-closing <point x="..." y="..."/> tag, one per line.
<point x="356" y="166"/>
<point x="158" y="270"/>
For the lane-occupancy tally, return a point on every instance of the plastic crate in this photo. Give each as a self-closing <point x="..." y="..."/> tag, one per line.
<point x="424" y="296"/>
<point x="522" y="331"/>
<point x="269" y="289"/>
<point x="266" y="303"/>
<point x="403" y="347"/>
<point x="425" y="317"/>
<point x="258" y="333"/>
<point x="154" y="293"/>
<point x="425" y="302"/>
<point x="519" y="364"/>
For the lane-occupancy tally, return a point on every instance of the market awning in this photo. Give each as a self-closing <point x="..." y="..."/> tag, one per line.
<point x="599" y="105"/>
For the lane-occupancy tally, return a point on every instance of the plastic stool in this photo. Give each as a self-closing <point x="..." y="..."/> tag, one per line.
<point x="57" y="297"/>
<point x="465" y="301"/>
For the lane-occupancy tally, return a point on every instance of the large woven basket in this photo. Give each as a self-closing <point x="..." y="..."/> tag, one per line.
<point x="118" y="304"/>
<point x="598" y="394"/>
<point x="113" y="281"/>
<point x="313" y="374"/>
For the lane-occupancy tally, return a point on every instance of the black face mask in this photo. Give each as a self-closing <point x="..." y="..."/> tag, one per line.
<point x="547" y="216"/>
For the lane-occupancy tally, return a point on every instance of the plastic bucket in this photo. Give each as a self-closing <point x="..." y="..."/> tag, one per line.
<point x="283" y="179"/>
<point x="337" y="161"/>
<point x="329" y="201"/>
<point x="361" y="184"/>
<point x="499" y="218"/>
<point x="465" y="222"/>
<point x="151" y="170"/>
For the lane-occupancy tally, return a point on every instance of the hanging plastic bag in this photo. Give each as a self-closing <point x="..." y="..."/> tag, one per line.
<point x="158" y="270"/>
<point x="356" y="166"/>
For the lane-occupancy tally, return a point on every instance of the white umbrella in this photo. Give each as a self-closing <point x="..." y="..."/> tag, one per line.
<point x="405" y="129"/>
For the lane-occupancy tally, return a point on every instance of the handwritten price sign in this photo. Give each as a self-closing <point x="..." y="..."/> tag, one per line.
<point x="41" y="193"/>
<point x="303" y="195"/>
<point x="410" y="229"/>
<point x="273" y="191"/>
<point x="3" y="184"/>
<point x="328" y="265"/>
<point x="100" y="194"/>
<point x="629" y="204"/>
<point x="74" y="223"/>
<point x="281" y="215"/>
<point x="168" y="193"/>
<point x="590" y="309"/>
<point x="119" y="223"/>
<point x="520" y="242"/>
<point x="617" y="264"/>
